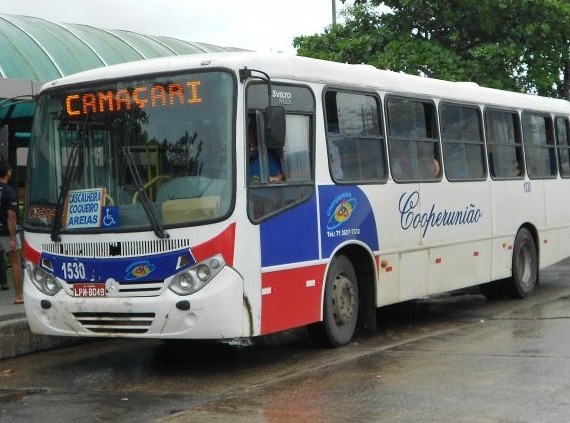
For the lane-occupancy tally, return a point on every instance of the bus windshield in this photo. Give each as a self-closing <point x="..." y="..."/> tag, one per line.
<point x="136" y="154"/>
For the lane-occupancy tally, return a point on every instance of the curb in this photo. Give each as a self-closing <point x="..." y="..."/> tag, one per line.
<point x="17" y="339"/>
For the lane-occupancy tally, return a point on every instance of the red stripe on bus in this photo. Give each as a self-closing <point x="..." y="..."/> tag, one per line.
<point x="223" y="243"/>
<point x="31" y="253"/>
<point x="293" y="298"/>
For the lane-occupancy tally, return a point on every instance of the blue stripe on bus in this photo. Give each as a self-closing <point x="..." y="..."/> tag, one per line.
<point x="129" y="270"/>
<point x="346" y="214"/>
<point x="291" y="236"/>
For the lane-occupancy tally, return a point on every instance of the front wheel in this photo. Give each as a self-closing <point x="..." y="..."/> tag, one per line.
<point x="340" y="306"/>
<point x="525" y="266"/>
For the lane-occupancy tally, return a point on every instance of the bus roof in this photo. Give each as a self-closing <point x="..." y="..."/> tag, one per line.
<point x="301" y="69"/>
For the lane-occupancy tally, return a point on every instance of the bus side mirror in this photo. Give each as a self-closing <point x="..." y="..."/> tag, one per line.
<point x="4" y="133"/>
<point x="275" y="118"/>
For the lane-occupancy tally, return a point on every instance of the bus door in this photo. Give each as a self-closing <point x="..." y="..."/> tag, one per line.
<point x="282" y="202"/>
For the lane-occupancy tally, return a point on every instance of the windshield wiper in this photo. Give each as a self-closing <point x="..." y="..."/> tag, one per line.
<point x="148" y="208"/>
<point x="70" y="172"/>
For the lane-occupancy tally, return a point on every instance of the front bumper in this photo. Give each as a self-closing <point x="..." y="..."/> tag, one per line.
<point x="217" y="311"/>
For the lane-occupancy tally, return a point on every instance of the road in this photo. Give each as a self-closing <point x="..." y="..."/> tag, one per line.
<point x="453" y="358"/>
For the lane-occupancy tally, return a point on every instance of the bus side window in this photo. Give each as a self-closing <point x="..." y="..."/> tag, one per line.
<point x="504" y="144"/>
<point x="413" y="140"/>
<point x="355" y="139"/>
<point x="463" y="142"/>
<point x="563" y="144"/>
<point x="296" y="153"/>
<point x="539" y="146"/>
<point x="294" y="166"/>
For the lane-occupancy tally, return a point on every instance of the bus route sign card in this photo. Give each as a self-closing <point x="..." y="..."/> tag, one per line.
<point x="83" y="208"/>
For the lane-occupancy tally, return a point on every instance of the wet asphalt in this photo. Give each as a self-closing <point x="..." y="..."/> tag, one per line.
<point x="451" y="358"/>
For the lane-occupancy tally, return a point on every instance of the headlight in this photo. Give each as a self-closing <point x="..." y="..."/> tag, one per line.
<point x="44" y="281"/>
<point x="203" y="272"/>
<point x="197" y="277"/>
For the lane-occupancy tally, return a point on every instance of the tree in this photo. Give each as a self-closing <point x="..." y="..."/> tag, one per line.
<point x="518" y="45"/>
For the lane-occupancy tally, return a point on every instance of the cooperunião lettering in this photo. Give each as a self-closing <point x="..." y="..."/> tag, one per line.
<point x="410" y="218"/>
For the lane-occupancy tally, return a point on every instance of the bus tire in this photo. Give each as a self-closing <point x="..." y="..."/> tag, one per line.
<point x="524" y="266"/>
<point x="340" y="306"/>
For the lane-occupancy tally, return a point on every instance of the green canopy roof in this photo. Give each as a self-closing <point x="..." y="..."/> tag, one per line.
<point x="39" y="50"/>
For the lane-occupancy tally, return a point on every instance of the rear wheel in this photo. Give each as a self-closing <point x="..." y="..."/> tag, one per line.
<point x="340" y="306"/>
<point x="525" y="266"/>
<point x="524" y="277"/>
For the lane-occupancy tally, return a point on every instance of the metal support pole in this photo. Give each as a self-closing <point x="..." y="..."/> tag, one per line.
<point x="334" y="12"/>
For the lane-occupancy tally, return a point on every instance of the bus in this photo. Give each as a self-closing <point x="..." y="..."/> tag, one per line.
<point x="235" y="195"/>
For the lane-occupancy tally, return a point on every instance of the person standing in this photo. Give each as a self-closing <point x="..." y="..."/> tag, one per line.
<point x="9" y="236"/>
<point x="3" y="275"/>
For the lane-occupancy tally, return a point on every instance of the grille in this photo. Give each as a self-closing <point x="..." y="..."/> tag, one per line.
<point x="144" y="288"/>
<point x="115" y="323"/>
<point x="116" y="249"/>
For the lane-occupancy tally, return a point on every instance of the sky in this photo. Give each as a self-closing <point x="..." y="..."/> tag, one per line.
<point x="260" y="25"/>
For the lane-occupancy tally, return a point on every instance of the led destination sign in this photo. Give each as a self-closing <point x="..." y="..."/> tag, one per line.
<point x="141" y="96"/>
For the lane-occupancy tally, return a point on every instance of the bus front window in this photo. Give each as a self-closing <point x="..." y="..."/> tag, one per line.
<point x="111" y="156"/>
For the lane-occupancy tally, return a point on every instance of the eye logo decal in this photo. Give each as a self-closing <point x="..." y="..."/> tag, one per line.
<point x="340" y="210"/>
<point x="139" y="269"/>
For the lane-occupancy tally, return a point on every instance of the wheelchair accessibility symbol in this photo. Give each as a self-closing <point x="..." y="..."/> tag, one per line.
<point x="110" y="217"/>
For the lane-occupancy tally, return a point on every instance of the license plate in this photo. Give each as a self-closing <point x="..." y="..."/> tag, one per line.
<point x="89" y="290"/>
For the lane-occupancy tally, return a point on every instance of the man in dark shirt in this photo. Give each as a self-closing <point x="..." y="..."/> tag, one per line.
<point x="3" y="276"/>
<point x="9" y="237"/>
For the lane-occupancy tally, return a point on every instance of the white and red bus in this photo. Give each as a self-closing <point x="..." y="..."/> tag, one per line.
<point x="241" y="194"/>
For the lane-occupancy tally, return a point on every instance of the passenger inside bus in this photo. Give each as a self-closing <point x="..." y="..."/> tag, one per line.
<point x="436" y="168"/>
<point x="414" y="165"/>
<point x="274" y="165"/>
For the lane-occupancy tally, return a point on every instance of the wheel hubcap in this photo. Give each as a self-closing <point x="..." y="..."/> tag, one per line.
<point x="524" y="266"/>
<point x="343" y="299"/>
